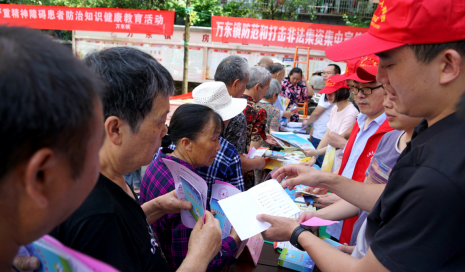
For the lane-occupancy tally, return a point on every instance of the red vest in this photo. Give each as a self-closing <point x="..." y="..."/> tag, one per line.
<point x="360" y="168"/>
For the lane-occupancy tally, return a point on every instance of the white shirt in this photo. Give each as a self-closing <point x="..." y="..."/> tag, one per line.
<point x="321" y="124"/>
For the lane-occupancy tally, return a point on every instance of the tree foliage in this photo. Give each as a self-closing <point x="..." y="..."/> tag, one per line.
<point x="358" y="19"/>
<point x="288" y="10"/>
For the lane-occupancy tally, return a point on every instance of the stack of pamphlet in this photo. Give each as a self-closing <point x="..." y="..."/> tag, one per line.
<point x="293" y="140"/>
<point x="296" y="260"/>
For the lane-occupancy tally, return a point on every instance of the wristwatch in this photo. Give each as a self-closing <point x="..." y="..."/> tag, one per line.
<point x="295" y="235"/>
<point x="317" y="155"/>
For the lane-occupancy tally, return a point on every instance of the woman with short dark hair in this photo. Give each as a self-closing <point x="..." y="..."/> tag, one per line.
<point x="343" y="116"/>
<point x="195" y="130"/>
<point x="296" y="88"/>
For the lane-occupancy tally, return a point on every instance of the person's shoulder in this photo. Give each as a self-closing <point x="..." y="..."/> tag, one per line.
<point x="228" y="150"/>
<point x="352" y="109"/>
<point x="101" y="201"/>
<point x="392" y="134"/>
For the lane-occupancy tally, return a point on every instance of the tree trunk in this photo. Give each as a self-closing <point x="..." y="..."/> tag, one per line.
<point x="186" y="49"/>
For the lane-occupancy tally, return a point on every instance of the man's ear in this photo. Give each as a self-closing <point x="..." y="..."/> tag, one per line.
<point x="450" y="66"/>
<point x="39" y="175"/>
<point x="236" y="85"/>
<point x="114" y="129"/>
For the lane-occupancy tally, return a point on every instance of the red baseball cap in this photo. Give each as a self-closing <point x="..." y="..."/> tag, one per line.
<point x="399" y="22"/>
<point x="333" y="84"/>
<point x="351" y="66"/>
<point x="369" y="62"/>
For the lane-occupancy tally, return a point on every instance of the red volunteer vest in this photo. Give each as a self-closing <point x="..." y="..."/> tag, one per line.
<point x="360" y="168"/>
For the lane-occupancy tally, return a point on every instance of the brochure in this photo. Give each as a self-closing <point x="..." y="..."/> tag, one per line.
<point x="194" y="197"/>
<point x="265" y="198"/>
<point x="222" y="190"/>
<point x="274" y="154"/>
<point x="256" y="152"/>
<point x="55" y="256"/>
<point x="292" y="139"/>
<point x="190" y="187"/>
<point x="225" y="225"/>
<point x="296" y="260"/>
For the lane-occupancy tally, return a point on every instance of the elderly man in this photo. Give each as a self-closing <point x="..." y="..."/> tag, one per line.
<point x="111" y="225"/>
<point x="265" y="61"/>
<point x="234" y="72"/>
<point x="423" y="69"/>
<point x="320" y="116"/>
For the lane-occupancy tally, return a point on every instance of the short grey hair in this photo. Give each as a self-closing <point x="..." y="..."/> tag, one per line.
<point x="232" y="68"/>
<point x="258" y="75"/>
<point x="275" y="88"/>
<point x="133" y="79"/>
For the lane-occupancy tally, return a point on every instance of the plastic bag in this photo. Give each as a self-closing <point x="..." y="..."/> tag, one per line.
<point x="328" y="162"/>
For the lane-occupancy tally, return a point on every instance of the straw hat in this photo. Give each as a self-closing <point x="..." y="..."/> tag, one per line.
<point x="215" y="96"/>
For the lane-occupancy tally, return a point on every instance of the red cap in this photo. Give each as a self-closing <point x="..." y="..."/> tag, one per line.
<point x="368" y="62"/>
<point x="368" y="68"/>
<point x="333" y="84"/>
<point x="351" y="66"/>
<point x="399" y="22"/>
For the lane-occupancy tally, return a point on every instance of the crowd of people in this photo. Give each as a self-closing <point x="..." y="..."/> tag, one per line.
<point x="75" y="134"/>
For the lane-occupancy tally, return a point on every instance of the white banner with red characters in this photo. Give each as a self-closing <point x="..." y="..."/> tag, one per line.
<point x="280" y="33"/>
<point x="92" y="19"/>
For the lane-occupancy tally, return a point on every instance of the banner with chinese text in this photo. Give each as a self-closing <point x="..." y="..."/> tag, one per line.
<point x="91" y="19"/>
<point x="280" y="33"/>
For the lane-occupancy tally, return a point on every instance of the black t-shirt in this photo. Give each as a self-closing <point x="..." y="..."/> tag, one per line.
<point x="112" y="227"/>
<point x="418" y="222"/>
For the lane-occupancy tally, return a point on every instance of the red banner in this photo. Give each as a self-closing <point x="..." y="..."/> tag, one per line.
<point x="280" y="33"/>
<point x="91" y="19"/>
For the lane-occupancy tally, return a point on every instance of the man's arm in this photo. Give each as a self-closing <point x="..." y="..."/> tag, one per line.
<point x="256" y="163"/>
<point x="328" y="258"/>
<point x="325" y="256"/>
<point x="338" y="211"/>
<point x="361" y="195"/>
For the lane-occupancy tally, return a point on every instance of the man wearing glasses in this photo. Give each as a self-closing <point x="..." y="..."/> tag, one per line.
<point x="368" y="130"/>
<point x="320" y="116"/>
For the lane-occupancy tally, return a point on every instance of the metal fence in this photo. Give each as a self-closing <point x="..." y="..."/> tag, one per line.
<point x="361" y="8"/>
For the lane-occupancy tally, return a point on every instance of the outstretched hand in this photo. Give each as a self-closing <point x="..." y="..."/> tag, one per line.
<point x="298" y="174"/>
<point x="281" y="227"/>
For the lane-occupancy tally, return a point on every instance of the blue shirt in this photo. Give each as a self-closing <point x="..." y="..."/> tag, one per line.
<point x="361" y="141"/>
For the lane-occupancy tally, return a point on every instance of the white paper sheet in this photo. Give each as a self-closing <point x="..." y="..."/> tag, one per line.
<point x="265" y="198"/>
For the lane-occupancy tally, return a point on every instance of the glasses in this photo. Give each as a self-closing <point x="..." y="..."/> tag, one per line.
<point x="327" y="73"/>
<point x="364" y="90"/>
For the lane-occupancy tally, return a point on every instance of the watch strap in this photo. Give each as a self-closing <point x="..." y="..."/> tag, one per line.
<point x="295" y="235"/>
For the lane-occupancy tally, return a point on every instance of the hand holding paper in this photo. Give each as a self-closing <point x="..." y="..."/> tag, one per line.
<point x="265" y="198"/>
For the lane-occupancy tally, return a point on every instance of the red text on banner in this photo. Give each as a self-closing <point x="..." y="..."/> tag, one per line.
<point x="90" y="19"/>
<point x="280" y="33"/>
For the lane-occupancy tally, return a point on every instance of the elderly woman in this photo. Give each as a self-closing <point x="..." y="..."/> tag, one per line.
<point x="296" y="88"/>
<point x="111" y="225"/>
<point x="195" y="130"/>
<point x="273" y="116"/>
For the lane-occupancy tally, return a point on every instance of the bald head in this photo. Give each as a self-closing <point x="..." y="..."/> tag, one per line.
<point x="265" y="61"/>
